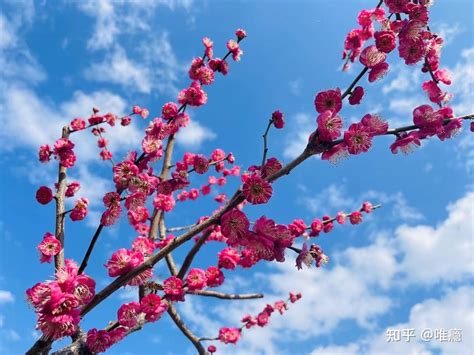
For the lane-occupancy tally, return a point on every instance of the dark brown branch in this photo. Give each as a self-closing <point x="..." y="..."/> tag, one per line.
<point x="192" y="253"/>
<point x="90" y="248"/>
<point x="186" y="331"/>
<point x="226" y="296"/>
<point x="265" y="147"/>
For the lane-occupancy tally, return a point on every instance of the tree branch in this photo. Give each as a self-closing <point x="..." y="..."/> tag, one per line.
<point x="226" y="296"/>
<point x="186" y="331"/>
<point x="60" y="216"/>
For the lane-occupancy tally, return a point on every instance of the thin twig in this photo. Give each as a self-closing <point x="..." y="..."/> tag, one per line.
<point x="192" y="253"/>
<point x="265" y="147"/>
<point x="185" y="330"/>
<point x="226" y="296"/>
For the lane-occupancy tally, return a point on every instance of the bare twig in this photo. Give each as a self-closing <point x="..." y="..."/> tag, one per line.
<point x="192" y="253"/>
<point x="226" y="296"/>
<point x="60" y="209"/>
<point x="186" y="331"/>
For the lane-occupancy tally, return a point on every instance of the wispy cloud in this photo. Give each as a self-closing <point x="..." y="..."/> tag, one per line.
<point x="6" y="297"/>
<point x="194" y="135"/>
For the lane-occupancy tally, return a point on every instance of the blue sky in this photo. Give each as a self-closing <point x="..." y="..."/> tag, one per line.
<point x="409" y="265"/>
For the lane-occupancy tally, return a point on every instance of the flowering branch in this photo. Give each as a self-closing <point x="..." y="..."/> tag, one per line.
<point x="60" y="208"/>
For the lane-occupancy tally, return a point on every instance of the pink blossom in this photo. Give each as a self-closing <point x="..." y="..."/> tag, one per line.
<point x="263" y="318"/>
<point x="249" y="321"/>
<point x="329" y="126"/>
<point x="371" y="56"/>
<point x="98" y="341"/>
<point x="234" y="226"/>
<point x="257" y="190"/>
<point x="405" y="142"/>
<point x="397" y="6"/>
<point x="219" y="65"/>
<point x="329" y="100"/>
<point x="248" y="258"/>
<point x="335" y="153"/>
<point x="193" y="194"/>
<point x="341" y="217"/>
<point x="200" y="164"/>
<point x="435" y="94"/>
<point x="63" y="150"/>
<point x="280" y="306"/>
<point x="412" y="51"/>
<point x="78" y="124"/>
<point x="49" y="247"/>
<point x="443" y="75"/>
<point x="364" y="18"/>
<point x="205" y="75"/>
<point x="195" y="65"/>
<point x="173" y="288"/>
<point x="450" y="129"/>
<point x="152" y="306"/>
<point x="144" y="245"/>
<point x="356" y="95"/>
<point x="355" y="217"/>
<point x="122" y="261"/>
<point x="234" y="48"/>
<point x="378" y="71"/>
<point x="297" y="227"/>
<point x="196" y="279"/>
<point x="425" y="117"/>
<point x="164" y="202"/>
<point x="367" y="207"/>
<point x="169" y="110"/>
<point x="205" y="189"/>
<point x="327" y="225"/>
<point x="214" y="276"/>
<point x="72" y="188"/>
<point x="124" y="172"/>
<point x="316" y="227"/>
<point x="241" y="34"/>
<point x="79" y="212"/>
<point x="44" y="195"/>
<point x="44" y="153"/>
<point x="57" y="327"/>
<point x="128" y="313"/>
<point x="385" y="41"/>
<point x="278" y="119"/>
<point x="294" y="297"/>
<point x="374" y="124"/>
<point x="208" y="44"/>
<point x="358" y="138"/>
<point x="83" y="288"/>
<point x="228" y="258"/>
<point x="271" y="166"/>
<point x="125" y="121"/>
<point x="102" y="142"/>
<point x="193" y="96"/>
<point x="229" y="335"/>
<point x="105" y="154"/>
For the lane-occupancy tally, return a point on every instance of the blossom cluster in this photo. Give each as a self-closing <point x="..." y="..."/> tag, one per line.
<point x="57" y="302"/>
<point x="231" y="335"/>
<point x="150" y="308"/>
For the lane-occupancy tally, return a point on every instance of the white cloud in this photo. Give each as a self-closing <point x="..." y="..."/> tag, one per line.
<point x="34" y="121"/>
<point x="441" y="253"/>
<point x="300" y="127"/>
<point x="10" y="334"/>
<point x="334" y="349"/>
<point x="335" y="197"/>
<point x="6" y="297"/>
<point x="117" y="68"/>
<point x="194" y="135"/>
<point x="463" y="83"/>
<point x="453" y="311"/>
<point x="448" y="31"/>
<point x="295" y="86"/>
<point x="113" y="18"/>
<point x="406" y="80"/>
